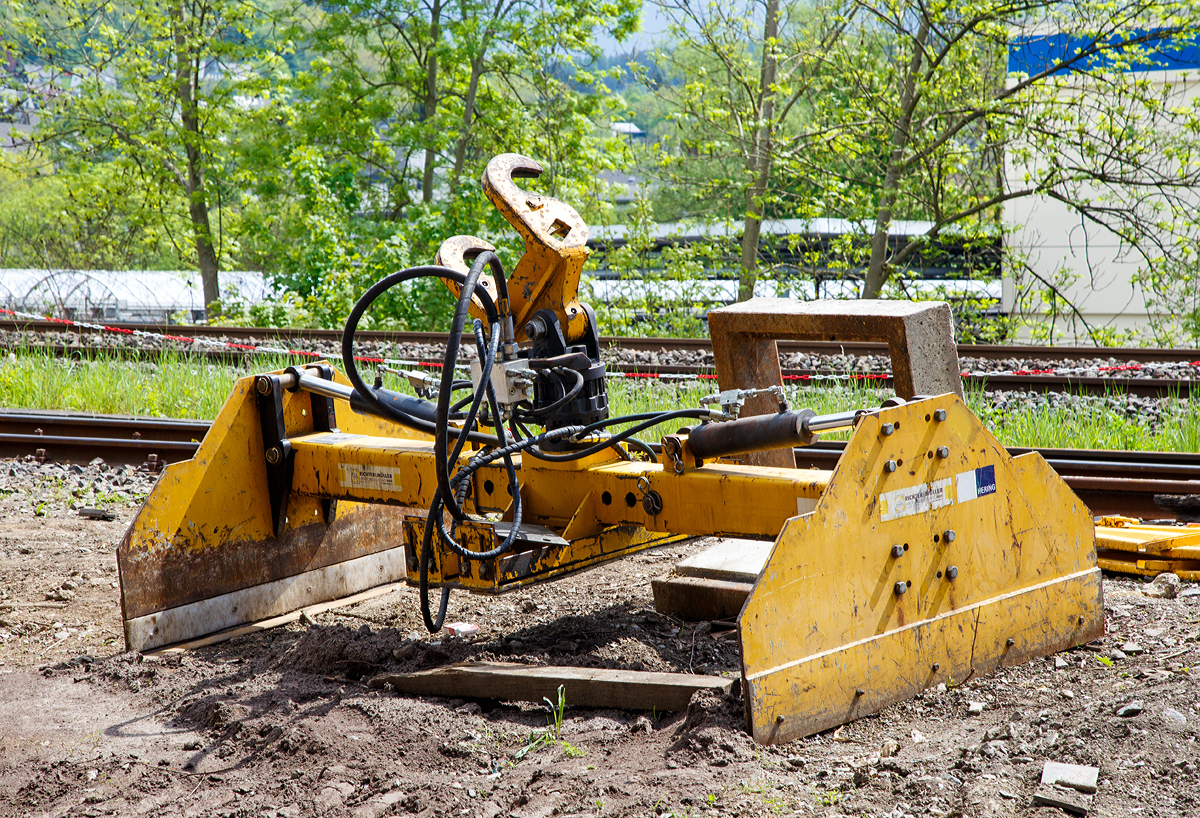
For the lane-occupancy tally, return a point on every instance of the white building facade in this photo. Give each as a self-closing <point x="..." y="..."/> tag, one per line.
<point x="1094" y="270"/>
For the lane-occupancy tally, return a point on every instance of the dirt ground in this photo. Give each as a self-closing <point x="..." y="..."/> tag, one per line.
<point x="282" y="723"/>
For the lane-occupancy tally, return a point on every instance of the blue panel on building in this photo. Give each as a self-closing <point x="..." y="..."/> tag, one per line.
<point x="1032" y="55"/>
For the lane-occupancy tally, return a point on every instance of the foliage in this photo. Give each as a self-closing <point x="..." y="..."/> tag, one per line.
<point x="63" y="220"/>
<point x="878" y="110"/>
<point x="420" y="95"/>
<point x="738" y="79"/>
<point x="154" y="90"/>
<point x="329" y="144"/>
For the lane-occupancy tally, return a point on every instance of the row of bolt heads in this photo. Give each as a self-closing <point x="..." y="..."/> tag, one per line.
<point x="890" y="466"/>
<point x="888" y="429"/>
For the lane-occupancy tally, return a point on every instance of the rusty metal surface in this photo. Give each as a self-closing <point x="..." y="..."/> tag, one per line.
<point x="920" y="339"/>
<point x="547" y="276"/>
<point x="180" y="575"/>
<point x="205" y="528"/>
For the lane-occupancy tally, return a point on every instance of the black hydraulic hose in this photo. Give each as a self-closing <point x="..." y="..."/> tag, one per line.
<point x="616" y="438"/>
<point x="567" y="397"/>
<point x="662" y="416"/>
<point x="469" y="421"/>
<point x="479" y="461"/>
<point x="440" y="439"/>
<point x="401" y="408"/>
<point x="643" y="446"/>
<point x="489" y="455"/>
<point x="433" y="625"/>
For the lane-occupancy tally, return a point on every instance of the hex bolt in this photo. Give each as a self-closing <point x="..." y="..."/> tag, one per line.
<point x="901" y="587"/>
<point x="949" y="535"/>
<point x="952" y="572"/>
<point x="1009" y="642"/>
<point x="779" y="719"/>
<point x="887" y="429"/>
<point x="943" y="452"/>
<point x="889" y="466"/>
<point x="897" y="551"/>
<point x="858" y="691"/>
<point x="937" y="666"/>
<point x="274" y="455"/>
<point x="939" y="414"/>
<point x="264" y="386"/>
<point x="535" y="329"/>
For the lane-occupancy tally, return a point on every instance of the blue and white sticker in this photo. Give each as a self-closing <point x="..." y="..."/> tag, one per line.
<point x="923" y="497"/>
<point x="977" y="483"/>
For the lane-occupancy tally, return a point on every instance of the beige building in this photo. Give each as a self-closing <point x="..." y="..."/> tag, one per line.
<point x="1096" y="270"/>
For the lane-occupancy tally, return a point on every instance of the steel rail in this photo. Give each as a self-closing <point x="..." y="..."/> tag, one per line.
<point x="79" y="437"/>
<point x="1107" y="481"/>
<point x="856" y="348"/>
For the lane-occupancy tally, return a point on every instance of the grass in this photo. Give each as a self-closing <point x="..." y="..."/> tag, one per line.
<point x="181" y="386"/>
<point x="169" y="386"/>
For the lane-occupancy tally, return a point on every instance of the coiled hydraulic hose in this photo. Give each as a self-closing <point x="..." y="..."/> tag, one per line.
<point x="434" y="418"/>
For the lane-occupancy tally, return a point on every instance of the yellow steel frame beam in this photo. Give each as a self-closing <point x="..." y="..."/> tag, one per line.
<point x="579" y="498"/>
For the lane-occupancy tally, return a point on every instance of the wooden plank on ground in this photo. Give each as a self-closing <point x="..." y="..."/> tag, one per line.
<point x="700" y="598"/>
<point x="731" y="560"/>
<point x="582" y="686"/>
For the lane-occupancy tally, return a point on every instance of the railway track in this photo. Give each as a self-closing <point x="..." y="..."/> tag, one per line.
<point x="1109" y="482"/>
<point x="296" y="337"/>
<point x="329" y="340"/>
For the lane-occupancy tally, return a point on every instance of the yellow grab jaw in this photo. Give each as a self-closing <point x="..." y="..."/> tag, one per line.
<point x="959" y="559"/>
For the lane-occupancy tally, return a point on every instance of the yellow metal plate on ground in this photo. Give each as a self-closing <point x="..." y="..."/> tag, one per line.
<point x="901" y="579"/>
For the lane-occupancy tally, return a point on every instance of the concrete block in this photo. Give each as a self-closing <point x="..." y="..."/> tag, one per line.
<point x="1076" y="776"/>
<point x="920" y="339"/>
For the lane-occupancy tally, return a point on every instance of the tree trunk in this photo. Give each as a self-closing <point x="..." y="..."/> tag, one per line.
<point x="187" y="78"/>
<point x="877" y="270"/>
<point x="431" y="97"/>
<point x="477" y="64"/>
<point x="758" y="158"/>
<point x="464" y="136"/>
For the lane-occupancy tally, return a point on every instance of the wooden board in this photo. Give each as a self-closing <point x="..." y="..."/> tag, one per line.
<point x="582" y="686"/>
<point x="699" y="598"/>
<point x="731" y="560"/>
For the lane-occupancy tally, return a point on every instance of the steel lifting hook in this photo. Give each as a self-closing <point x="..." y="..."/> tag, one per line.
<point x="547" y="276"/>
<point x="457" y="253"/>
